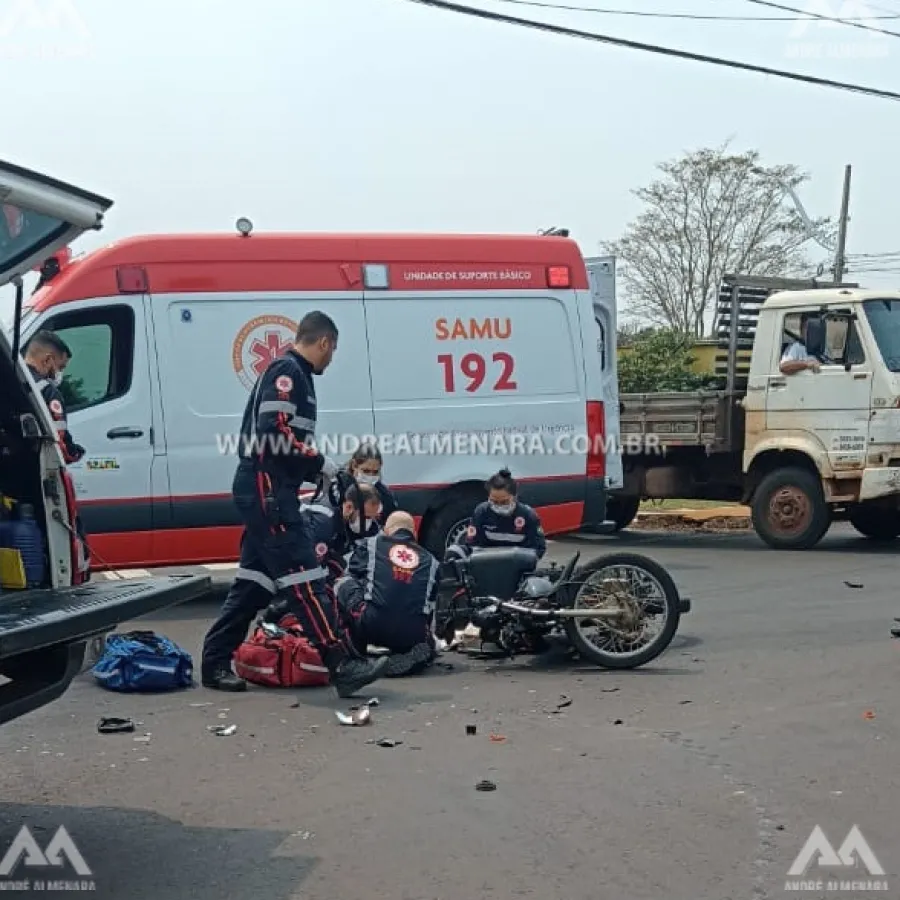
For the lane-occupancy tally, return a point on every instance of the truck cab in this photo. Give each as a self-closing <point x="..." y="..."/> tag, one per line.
<point x="823" y="443"/>
<point x="50" y="615"/>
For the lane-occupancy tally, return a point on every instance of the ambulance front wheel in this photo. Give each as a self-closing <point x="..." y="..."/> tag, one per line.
<point x="448" y="524"/>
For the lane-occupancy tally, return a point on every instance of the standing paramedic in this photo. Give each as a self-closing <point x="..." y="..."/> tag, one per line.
<point x="278" y="548"/>
<point x="46" y="356"/>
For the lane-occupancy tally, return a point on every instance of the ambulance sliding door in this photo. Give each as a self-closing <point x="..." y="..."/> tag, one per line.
<point x="212" y="348"/>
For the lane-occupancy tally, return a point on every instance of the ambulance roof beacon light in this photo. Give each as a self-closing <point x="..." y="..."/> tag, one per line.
<point x="559" y="277"/>
<point x="375" y="277"/>
<point x="244" y="226"/>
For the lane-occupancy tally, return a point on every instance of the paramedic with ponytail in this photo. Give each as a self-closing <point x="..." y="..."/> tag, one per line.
<point x="503" y="521"/>
<point x="278" y="548"/>
<point x="366" y="467"/>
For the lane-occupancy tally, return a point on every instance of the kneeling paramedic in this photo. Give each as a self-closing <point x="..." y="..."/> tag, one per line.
<point x="390" y="595"/>
<point x="278" y="550"/>
<point x="333" y="535"/>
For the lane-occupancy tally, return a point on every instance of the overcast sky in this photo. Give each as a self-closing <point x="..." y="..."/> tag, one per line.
<point x="386" y="115"/>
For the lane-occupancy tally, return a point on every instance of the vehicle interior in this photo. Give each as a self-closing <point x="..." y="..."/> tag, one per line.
<point x="20" y="472"/>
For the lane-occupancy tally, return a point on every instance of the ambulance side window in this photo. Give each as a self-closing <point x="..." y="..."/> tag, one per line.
<point x="102" y="344"/>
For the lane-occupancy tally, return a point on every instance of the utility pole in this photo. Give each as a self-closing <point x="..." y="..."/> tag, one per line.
<point x="840" y="253"/>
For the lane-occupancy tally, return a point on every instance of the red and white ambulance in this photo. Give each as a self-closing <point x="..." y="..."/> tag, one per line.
<point x="462" y="354"/>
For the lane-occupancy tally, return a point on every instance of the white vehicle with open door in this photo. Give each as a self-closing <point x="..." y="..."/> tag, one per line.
<point x="49" y="612"/>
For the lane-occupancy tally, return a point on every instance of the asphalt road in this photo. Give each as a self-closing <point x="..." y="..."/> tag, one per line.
<point x="697" y="778"/>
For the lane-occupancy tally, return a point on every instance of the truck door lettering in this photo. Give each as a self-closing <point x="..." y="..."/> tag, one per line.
<point x="474" y="368"/>
<point x="473" y="329"/>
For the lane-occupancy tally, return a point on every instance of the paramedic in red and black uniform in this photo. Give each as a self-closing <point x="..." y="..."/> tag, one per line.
<point x="46" y="356"/>
<point x="503" y="521"/>
<point x="390" y="594"/>
<point x="334" y="535"/>
<point x="278" y="548"/>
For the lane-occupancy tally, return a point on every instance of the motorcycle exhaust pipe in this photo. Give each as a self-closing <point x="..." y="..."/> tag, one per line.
<point x="559" y="613"/>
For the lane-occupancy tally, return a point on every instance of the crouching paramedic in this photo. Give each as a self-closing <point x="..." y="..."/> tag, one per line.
<point x="502" y="521"/>
<point x="333" y="534"/>
<point x="47" y="356"/>
<point x="390" y="594"/>
<point x="278" y="549"/>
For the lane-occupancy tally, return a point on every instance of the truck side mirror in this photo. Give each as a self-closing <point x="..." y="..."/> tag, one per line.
<point x="815" y="336"/>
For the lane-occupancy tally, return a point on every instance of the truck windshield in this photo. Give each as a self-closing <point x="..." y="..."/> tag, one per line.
<point x="884" y="320"/>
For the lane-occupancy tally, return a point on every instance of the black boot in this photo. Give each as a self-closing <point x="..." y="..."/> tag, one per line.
<point x="223" y="679"/>
<point x="350" y="674"/>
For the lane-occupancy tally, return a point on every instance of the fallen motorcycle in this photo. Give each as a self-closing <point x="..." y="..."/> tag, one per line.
<point x="619" y="611"/>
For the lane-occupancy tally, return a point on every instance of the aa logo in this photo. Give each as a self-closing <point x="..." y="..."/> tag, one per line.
<point x="60" y="850"/>
<point x="850" y="854"/>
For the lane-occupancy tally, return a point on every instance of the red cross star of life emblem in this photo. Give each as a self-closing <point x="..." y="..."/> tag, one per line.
<point x="403" y="557"/>
<point x="261" y="341"/>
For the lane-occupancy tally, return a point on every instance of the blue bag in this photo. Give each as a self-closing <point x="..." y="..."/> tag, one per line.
<point x="143" y="661"/>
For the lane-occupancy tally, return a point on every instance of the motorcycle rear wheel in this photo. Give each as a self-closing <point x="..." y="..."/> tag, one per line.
<point x="649" y="574"/>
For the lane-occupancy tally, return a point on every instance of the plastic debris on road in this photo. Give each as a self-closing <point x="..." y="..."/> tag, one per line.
<point x="356" y="718"/>
<point x="222" y="730"/>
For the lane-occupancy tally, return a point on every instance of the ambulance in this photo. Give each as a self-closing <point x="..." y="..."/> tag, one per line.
<point x="459" y="354"/>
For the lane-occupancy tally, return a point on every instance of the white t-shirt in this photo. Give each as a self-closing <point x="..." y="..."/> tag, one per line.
<point x="796" y="352"/>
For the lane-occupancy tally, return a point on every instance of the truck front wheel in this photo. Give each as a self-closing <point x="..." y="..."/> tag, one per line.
<point x="876" y="524"/>
<point x="789" y="510"/>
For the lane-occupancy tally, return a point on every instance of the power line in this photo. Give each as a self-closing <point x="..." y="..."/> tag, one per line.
<point x="850" y="23"/>
<point x="652" y="48"/>
<point x="689" y="16"/>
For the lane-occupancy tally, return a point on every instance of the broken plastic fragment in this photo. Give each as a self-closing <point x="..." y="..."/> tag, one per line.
<point x="115" y="725"/>
<point x="358" y="717"/>
<point x="222" y="730"/>
<point x="389" y="742"/>
<point x="485" y="786"/>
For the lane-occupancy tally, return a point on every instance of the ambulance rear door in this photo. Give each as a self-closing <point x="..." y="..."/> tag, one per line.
<point x="600" y="352"/>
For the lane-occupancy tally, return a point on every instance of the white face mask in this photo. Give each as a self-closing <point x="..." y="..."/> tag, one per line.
<point x="57" y="379"/>
<point x="503" y="510"/>
<point x="363" y="478"/>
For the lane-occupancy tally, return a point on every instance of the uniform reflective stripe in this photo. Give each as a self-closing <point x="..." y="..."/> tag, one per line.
<point x="432" y="578"/>
<point x="40" y="385"/>
<point x="504" y="538"/>
<point x="262" y="580"/>
<point x="277" y="406"/>
<point x="309" y="667"/>
<point x="370" y="545"/>
<point x="61" y="425"/>
<point x="318" y="508"/>
<point x="301" y="422"/>
<point x="301" y="577"/>
<point x="261" y="670"/>
<point x="346" y="579"/>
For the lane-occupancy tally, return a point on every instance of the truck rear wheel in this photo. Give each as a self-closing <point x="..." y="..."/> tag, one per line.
<point x="789" y="510"/>
<point x="876" y="524"/>
<point x="622" y="510"/>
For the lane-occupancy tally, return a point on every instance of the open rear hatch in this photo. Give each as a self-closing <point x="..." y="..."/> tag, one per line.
<point x="38" y="216"/>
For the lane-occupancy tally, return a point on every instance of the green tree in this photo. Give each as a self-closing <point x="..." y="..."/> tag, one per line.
<point x="660" y="361"/>
<point x="710" y="213"/>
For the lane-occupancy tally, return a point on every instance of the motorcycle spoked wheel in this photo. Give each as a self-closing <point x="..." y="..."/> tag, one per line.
<point x="617" y="650"/>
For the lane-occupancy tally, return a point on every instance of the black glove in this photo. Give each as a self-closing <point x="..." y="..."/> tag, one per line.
<point x="77" y="451"/>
